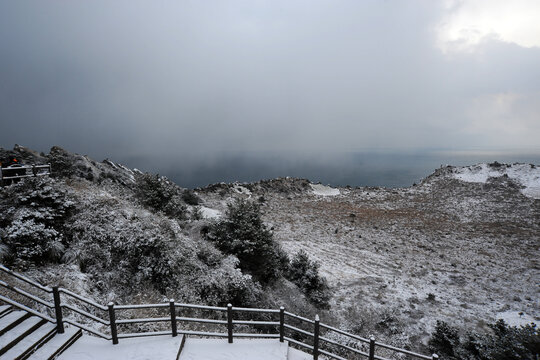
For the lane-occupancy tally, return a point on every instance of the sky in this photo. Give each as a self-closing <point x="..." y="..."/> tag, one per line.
<point x="196" y="82"/>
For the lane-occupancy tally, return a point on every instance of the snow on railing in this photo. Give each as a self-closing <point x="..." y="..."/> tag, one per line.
<point x="297" y="335"/>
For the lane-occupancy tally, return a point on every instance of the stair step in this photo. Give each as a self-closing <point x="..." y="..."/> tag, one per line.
<point x="30" y="343"/>
<point x="16" y="334"/>
<point x="4" y="309"/>
<point x="11" y="320"/>
<point x="57" y="344"/>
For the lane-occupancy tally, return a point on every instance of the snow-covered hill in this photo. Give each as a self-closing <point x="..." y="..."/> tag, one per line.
<point x="462" y="246"/>
<point x="525" y="175"/>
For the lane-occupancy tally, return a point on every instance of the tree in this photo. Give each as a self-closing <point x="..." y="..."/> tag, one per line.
<point x="242" y="233"/>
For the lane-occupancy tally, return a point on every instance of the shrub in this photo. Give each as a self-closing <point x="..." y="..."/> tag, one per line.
<point x="226" y="284"/>
<point x="504" y="343"/>
<point x="243" y="234"/>
<point x="305" y="274"/>
<point x="190" y="197"/>
<point x="160" y="194"/>
<point x="32" y="226"/>
<point x="444" y="340"/>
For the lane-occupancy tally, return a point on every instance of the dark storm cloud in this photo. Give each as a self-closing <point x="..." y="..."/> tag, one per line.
<point x="200" y="78"/>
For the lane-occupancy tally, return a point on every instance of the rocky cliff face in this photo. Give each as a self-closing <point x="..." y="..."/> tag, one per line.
<point x="462" y="246"/>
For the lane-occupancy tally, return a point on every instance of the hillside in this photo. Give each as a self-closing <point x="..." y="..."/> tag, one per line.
<point x="462" y="246"/>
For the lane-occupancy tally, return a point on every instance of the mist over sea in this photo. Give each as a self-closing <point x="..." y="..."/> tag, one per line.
<point x="387" y="169"/>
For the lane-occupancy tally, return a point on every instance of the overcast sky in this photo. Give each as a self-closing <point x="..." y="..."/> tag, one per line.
<point x="203" y="78"/>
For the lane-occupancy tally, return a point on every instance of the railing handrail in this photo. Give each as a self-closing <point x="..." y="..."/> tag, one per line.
<point x="25" y="279"/>
<point x="34" y="168"/>
<point x="81" y="298"/>
<point x="173" y="306"/>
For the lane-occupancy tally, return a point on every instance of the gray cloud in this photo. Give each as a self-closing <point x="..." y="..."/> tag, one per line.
<point x="203" y="78"/>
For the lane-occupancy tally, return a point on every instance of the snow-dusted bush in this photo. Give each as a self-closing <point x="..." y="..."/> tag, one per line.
<point x="32" y="226"/>
<point x="305" y="274"/>
<point x="503" y="343"/>
<point x="444" y="340"/>
<point x="227" y="284"/>
<point x="242" y="233"/>
<point x="190" y="197"/>
<point x="133" y="247"/>
<point x="160" y="194"/>
<point x="61" y="162"/>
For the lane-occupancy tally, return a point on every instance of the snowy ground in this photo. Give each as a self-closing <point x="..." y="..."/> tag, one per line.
<point x="462" y="246"/>
<point x="524" y="174"/>
<point x="241" y="349"/>
<point x="153" y="348"/>
<point x="166" y="348"/>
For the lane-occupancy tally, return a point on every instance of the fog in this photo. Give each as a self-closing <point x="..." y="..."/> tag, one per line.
<point x="265" y="88"/>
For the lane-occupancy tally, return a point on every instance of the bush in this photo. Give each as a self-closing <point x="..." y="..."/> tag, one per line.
<point x="444" y="340"/>
<point x="226" y="284"/>
<point x="504" y="343"/>
<point x="243" y="234"/>
<point x="160" y="194"/>
<point x="305" y="274"/>
<point x="32" y="227"/>
<point x="190" y="198"/>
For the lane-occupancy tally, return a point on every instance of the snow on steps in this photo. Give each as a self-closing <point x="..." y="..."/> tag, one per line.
<point x="4" y="309"/>
<point x="19" y="332"/>
<point x="30" y="342"/>
<point x="11" y="319"/>
<point x="58" y="344"/>
<point x="23" y="334"/>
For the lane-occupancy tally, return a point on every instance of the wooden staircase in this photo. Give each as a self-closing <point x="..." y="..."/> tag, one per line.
<point x="24" y="336"/>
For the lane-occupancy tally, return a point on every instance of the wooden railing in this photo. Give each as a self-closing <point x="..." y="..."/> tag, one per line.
<point x="10" y="174"/>
<point x="320" y="345"/>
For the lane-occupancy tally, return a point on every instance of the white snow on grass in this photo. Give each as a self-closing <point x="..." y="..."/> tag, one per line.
<point x="208" y="213"/>
<point x="514" y="318"/>
<point x="319" y="189"/>
<point x="524" y="174"/>
<point x="241" y="349"/>
<point x="241" y="189"/>
<point x="152" y="348"/>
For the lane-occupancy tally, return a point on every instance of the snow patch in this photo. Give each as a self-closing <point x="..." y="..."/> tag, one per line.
<point x="93" y="348"/>
<point x="208" y="213"/>
<point x="219" y="349"/>
<point x="319" y="189"/>
<point x="241" y="189"/>
<point x="295" y="354"/>
<point x="514" y="318"/>
<point x="526" y="175"/>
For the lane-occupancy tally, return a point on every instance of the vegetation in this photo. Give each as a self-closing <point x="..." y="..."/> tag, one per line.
<point x="305" y="274"/>
<point x="160" y="194"/>
<point x="242" y="234"/>
<point x="32" y="225"/>
<point x="502" y="343"/>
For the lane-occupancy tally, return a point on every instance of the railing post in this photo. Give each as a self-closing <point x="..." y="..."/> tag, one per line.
<point x="372" y="348"/>
<point x="112" y="319"/>
<point x="173" y="318"/>
<point x="281" y="323"/>
<point x="229" y="323"/>
<point x="316" y="338"/>
<point x="434" y="357"/>
<point x="58" y="310"/>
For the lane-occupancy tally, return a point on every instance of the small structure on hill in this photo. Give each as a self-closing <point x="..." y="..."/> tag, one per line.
<point x="12" y="171"/>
